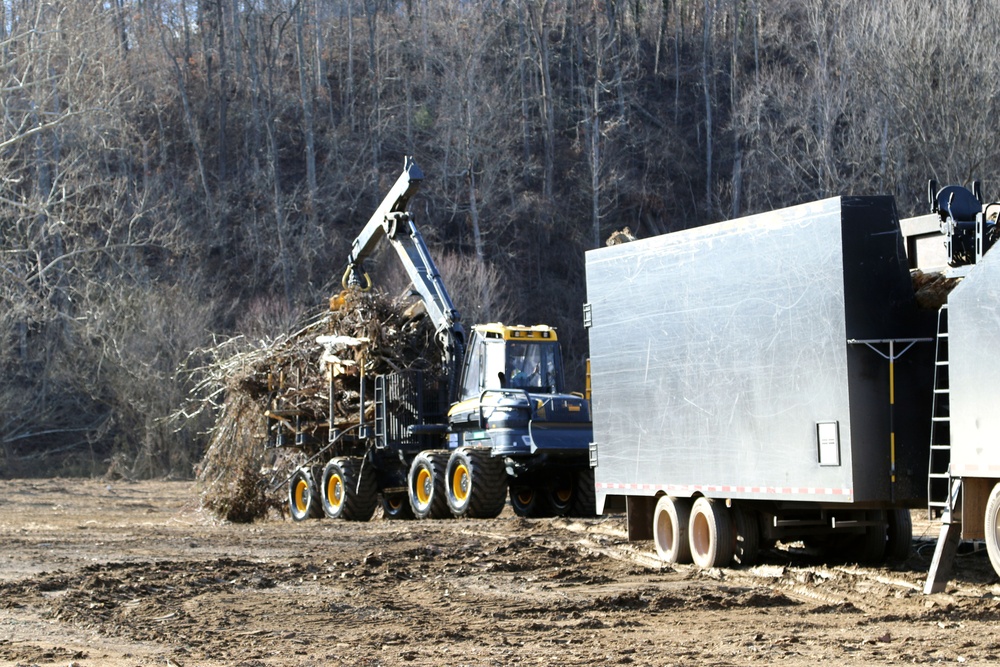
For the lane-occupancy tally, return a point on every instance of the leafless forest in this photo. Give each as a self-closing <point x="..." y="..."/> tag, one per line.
<point x="174" y="171"/>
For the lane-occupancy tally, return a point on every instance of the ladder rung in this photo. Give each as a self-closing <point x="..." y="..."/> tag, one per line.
<point x="942" y="391"/>
<point x="940" y="419"/>
<point x="941" y="363"/>
<point x="938" y="475"/>
<point x="939" y="447"/>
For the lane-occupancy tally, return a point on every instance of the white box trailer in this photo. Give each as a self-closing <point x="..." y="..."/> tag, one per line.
<point x="763" y="378"/>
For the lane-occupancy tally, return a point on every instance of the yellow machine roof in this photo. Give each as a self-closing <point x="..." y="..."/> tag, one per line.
<point x="516" y="331"/>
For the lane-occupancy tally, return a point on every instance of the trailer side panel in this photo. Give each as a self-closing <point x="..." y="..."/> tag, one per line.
<point x="721" y="363"/>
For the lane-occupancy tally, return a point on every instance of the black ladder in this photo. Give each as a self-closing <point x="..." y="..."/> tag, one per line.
<point x="942" y="491"/>
<point x="938" y="476"/>
<point x="380" y="416"/>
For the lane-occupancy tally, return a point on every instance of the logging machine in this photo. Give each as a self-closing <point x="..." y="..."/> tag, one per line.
<point x="500" y="418"/>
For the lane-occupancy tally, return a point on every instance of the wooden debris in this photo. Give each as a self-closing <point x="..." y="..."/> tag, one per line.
<point x="623" y="235"/>
<point x="366" y="334"/>
<point x="932" y="289"/>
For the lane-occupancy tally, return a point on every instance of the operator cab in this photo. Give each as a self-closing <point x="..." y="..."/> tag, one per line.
<point x="512" y="398"/>
<point x="512" y="357"/>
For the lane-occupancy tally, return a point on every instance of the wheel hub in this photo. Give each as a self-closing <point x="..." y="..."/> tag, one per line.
<point x="424" y="487"/>
<point x="301" y="496"/>
<point x="336" y="491"/>
<point x="461" y="483"/>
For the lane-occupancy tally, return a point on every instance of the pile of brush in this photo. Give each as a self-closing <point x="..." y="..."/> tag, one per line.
<point x="362" y="334"/>
<point x="932" y="288"/>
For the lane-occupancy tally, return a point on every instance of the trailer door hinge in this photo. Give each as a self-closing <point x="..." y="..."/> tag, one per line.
<point x="588" y="316"/>
<point x="593" y="454"/>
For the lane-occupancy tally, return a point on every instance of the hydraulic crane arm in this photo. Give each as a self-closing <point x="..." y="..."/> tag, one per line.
<point x="392" y="221"/>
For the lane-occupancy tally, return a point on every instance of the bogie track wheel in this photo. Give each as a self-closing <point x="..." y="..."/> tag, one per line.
<point x="349" y="492"/>
<point x="524" y="499"/>
<point x="561" y="493"/>
<point x="584" y="495"/>
<point x="303" y="496"/>
<point x="427" y="486"/>
<point x="396" y="506"/>
<point x="477" y="483"/>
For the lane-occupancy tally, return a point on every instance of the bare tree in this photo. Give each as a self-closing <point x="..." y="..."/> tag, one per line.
<point x="306" y="96"/>
<point x="538" y="19"/>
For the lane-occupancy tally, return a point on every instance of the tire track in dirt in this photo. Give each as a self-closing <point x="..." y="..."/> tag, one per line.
<point x="841" y="588"/>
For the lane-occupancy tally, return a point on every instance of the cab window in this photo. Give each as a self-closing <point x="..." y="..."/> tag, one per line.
<point x="483" y="368"/>
<point x="534" y="366"/>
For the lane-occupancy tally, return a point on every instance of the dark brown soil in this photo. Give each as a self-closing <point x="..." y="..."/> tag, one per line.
<point x="119" y="574"/>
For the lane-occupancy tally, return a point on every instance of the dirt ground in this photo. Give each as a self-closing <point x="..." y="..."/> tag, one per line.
<point x="116" y="574"/>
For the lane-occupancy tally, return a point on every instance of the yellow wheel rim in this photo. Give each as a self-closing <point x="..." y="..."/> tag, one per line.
<point x="301" y="495"/>
<point x="335" y="490"/>
<point x="525" y="496"/>
<point x="461" y="482"/>
<point x="424" y="486"/>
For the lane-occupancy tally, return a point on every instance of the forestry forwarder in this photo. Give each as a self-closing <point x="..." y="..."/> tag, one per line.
<point x="511" y="424"/>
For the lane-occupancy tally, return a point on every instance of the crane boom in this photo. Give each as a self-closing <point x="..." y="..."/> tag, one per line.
<point x="392" y="221"/>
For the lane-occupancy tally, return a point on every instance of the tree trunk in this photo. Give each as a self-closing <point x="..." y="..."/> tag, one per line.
<point x="306" y="98"/>
<point x="539" y="19"/>
<point x="594" y="145"/>
<point x="706" y="82"/>
<point x="223" y="108"/>
<point x="522" y="81"/>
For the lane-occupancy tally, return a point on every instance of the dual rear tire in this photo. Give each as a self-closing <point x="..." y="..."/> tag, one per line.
<point x="304" y="500"/>
<point x="709" y="534"/>
<point x="704" y="532"/>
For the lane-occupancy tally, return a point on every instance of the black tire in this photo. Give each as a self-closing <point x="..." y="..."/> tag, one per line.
<point x="476" y="483"/>
<point x="303" y="496"/>
<point x="868" y="548"/>
<point x="349" y="492"/>
<point x="584" y="495"/>
<point x="528" y="501"/>
<point x="991" y="525"/>
<point x="710" y="533"/>
<point x="396" y="507"/>
<point x="561" y="492"/>
<point x="746" y="538"/>
<point x="426" y="485"/>
<point x="900" y="535"/>
<point x="670" y="529"/>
